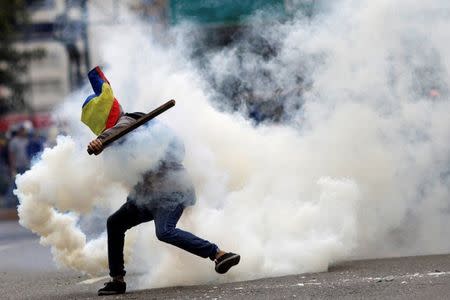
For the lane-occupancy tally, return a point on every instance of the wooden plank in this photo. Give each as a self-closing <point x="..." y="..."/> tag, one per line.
<point x="144" y="119"/>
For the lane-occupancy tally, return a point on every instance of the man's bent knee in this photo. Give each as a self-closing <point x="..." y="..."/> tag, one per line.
<point x="166" y="235"/>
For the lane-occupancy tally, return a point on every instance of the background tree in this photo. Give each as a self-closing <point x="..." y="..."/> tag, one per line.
<point x="14" y="21"/>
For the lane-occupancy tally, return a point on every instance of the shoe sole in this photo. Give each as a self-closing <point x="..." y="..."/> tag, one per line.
<point x="226" y="264"/>
<point x="105" y="293"/>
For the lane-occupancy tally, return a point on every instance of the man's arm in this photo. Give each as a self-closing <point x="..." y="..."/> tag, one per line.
<point x="96" y="146"/>
<point x="124" y="126"/>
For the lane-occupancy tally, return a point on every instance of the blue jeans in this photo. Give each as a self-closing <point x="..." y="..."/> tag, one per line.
<point x="166" y="218"/>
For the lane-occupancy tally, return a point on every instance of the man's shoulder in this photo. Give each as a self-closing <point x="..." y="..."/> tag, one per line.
<point x="135" y="115"/>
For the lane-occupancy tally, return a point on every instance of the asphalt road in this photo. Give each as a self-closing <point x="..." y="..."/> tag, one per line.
<point x="422" y="277"/>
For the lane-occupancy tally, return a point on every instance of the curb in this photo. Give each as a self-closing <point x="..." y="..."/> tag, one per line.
<point x="8" y="214"/>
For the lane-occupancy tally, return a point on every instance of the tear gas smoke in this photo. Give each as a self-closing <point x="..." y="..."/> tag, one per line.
<point x="359" y="169"/>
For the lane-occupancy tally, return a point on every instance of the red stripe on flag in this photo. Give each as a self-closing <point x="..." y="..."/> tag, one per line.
<point x="100" y="73"/>
<point x="114" y="114"/>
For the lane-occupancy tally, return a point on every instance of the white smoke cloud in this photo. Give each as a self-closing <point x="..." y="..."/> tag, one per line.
<point x="361" y="169"/>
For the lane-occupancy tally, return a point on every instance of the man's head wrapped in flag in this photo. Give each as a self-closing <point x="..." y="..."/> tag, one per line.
<point x="100" y="110"/>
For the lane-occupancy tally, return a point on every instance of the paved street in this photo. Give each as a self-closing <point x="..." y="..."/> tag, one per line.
<point x="27" y="272"/>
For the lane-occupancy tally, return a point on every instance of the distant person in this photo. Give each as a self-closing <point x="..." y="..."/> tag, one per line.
<point x="4" y="168"/>
<point x="52" y="135"/>
<point x="35" y="145"/>
<point x="18" y="161"/>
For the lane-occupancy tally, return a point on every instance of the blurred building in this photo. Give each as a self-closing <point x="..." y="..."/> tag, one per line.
<point x="154" y="11"/>
<point x="48" y="78"/>
<point x="62" y="29"/>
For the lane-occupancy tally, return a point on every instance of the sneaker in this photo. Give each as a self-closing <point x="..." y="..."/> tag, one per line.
<point x="112" y="288"/>
<point x="226" y="261"/>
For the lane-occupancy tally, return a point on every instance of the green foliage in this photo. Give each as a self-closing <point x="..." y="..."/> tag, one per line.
<point x="13" y="62"/>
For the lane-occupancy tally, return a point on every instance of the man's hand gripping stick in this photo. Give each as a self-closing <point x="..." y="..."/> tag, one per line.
<point x="144" y="119"/>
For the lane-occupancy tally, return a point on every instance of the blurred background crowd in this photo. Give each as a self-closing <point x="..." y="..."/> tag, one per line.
<point x="19" y="145"/>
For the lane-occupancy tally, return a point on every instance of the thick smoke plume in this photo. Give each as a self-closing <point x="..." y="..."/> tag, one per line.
<point x="358" y="164"/>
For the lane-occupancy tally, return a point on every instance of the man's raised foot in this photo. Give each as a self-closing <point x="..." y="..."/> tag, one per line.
<point x="226" y="260"/>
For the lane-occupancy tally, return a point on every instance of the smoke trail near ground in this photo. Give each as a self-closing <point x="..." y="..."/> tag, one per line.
<point x="360" y="166"/>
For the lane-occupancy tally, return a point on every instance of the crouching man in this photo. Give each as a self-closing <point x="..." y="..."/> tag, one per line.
<point x="160" y="196"/>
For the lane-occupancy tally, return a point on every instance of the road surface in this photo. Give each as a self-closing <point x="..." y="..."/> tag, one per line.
<point x="27" y="272"/>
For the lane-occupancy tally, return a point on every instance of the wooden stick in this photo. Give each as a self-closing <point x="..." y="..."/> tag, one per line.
<point x="144" y="119"/>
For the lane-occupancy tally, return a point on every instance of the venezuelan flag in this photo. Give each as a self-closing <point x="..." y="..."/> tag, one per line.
<point x="101" y="110"/>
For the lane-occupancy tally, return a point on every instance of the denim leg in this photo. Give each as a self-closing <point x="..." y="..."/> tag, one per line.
<point x="123" y="219"/>
<point x="165" y="224"/>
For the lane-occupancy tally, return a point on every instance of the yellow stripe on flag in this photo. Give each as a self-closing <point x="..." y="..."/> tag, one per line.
<point x="95" y="113"/>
